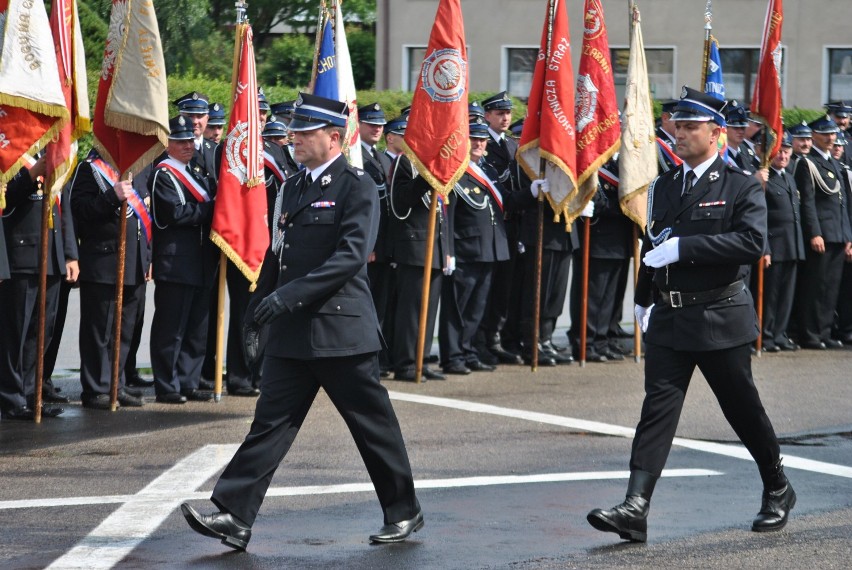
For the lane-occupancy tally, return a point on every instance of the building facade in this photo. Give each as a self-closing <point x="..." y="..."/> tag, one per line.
<point x="503" y="38"/>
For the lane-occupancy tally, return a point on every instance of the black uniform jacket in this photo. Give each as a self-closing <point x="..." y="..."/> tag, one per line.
<point x="611" y="233"/>
<point x="722" y="228"/>
<point x="4" y="258"/>
<point x="320" y="272"/>
<point x="95" y="207"/>
<point x="479" y="232"/>
<point x="410" y="219"/>
<point x="502" y="160"/>
<point x="204" y="162"/>
<point x="378" y="169"/>
<point x="182" y="250"/>
<point x="22" y="226"/>
<point x="783" y="218"/>
<point x="825" y="215"/>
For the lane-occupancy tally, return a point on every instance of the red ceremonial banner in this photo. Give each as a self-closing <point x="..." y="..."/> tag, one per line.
<point x="549" y="132"/>
<point x="239" y="225"/>
<point x="766" y="100"/>
<point x="596" y="111"/>
<point x="437" y="139"/>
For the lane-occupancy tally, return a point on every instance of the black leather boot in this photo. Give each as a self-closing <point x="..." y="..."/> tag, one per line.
<point x="629" y="519"/>
<point x="778" y="499"/>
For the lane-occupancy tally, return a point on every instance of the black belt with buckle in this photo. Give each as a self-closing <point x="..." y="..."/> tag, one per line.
<point x="678" y="299"/>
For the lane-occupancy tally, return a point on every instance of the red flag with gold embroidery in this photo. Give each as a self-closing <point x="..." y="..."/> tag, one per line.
<point x="549" y="129"/>
<point x="596" y="109"/>
<point x="437" y="139"/>
<point x="239" y="225"/>
<point x="32" y="107"/>
<point x="70" y="59"/>
<point x="766" y="100"/>
<point x="131" y="122"/>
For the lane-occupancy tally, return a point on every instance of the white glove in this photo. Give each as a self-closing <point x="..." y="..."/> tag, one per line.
<point x="643" y="316"/>
<point x="589" y="210"/>
<point x="537" y="186"/>
<point x="664" y="254"/>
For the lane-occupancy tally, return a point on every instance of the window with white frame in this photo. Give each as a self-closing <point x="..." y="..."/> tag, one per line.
<point x="520" y="65"/>
<point x="839" y="73"/>
<point x="739" y="70"/>
<point x="414" y="56"/>
<point x="660" y="63"/>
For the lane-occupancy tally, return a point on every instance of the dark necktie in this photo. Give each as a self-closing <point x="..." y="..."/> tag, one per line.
<point x="374" y="153"/>
<point x="305" y="185"/>
<point x="689" y="181"/>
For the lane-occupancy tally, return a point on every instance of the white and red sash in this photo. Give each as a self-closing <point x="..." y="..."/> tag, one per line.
<point x="269" y="162"/>
<point x="667" y="152"/>
<point x="477" y="174"/>
<point x="178" y="170"/>
<point x="608" y="176"/>
<point x="135" y="202"/>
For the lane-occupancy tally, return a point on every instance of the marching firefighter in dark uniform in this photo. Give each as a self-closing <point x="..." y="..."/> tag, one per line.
<point x="323" y="333"/>
<point x="706" y="223"/>
<point x="184" y="267"/>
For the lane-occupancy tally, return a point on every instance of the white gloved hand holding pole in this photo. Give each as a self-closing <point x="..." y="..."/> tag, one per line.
<point x="643" y="316"/>
<point x="589" y="210"/>
<point x="541" y="185"/>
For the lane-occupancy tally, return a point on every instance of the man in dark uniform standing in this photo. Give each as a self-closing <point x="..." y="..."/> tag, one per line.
<point x="666" y="157"/>
<point x="786" y="250"/>
<point x="96" y="196"/>
<point x="706" y="223"/>
<point x="184" y="265"/>
<point x="18" y="294"/>
<point x="215" y="123"/>
<point x="827" y="230"/>
<point x="323" y="333"/>
<point x="802" y="139"/>
<point x="195" y="108"/>
<point x="500" y="155"/>
<point x="371" y="121"/>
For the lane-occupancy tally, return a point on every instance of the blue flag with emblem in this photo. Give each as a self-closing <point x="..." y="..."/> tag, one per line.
<point x="715" y="85"/>
<point x="326" y="84"/>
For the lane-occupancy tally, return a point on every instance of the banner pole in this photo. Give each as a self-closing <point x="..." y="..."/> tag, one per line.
<point x="42" y="299"/>
<point x="427" y="281"/>
<point x="119" y="301"/>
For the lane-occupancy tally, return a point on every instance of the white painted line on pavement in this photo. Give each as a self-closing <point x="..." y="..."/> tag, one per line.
<point x="736" y="451"/>
<point x="137" y="518"/>
<point x="179" y="496"/>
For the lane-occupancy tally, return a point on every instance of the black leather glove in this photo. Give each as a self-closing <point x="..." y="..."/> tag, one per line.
<point x="269" y="309"/>
<point x="251" y="342"/>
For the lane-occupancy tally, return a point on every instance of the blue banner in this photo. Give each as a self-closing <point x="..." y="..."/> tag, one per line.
<point x="326" y="82"/>
<point x="715" y="85"/>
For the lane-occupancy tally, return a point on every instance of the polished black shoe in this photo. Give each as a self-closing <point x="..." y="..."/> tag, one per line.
<point x="51" y="411"/>
<point x="456" y="368"/>
<point x="197" y="395"/>
<point x="136" y="381"/>
<point x="832" y="343"/>
<point x="244" y="391"/>
<point x="479" y="366"/>
<point x="775" y="507"/>
<point x="399" y="531"/>
<point x="171" y="398"/>
<point x="543" y="359"/>
<point x="814" y="345"/>
<point x="99" y="402"/>
<point x="208" y="385"/>
<point x="504" y="355"/>
<point x="771" y="348"/>
<point x="218" y="525"/>
<point x="51" y="396"/>
<point x="788" y="345"/>
<point x="430" y="374"/>
<point x="629" y="519"/>
<point x="553" y="353"/>
<point x="595" y="356"/>
<point x="125" y="398"/>
<point x="135" y="392"/>
<point x="21" y="413"/>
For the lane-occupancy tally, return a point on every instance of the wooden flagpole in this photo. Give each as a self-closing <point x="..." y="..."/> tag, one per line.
<point x="119" y="301"/>
<point x="44" y="248"/>
<point x="427" y="281"/>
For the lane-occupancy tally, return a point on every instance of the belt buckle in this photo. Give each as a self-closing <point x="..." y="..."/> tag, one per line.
<point x="675" y="300"/>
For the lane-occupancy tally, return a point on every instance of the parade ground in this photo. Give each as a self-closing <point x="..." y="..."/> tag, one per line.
<point x="507" y="465"/>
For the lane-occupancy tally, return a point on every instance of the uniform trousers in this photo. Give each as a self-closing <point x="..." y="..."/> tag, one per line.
<point x="51" y="352"/>
<point x="667" y="376"/>
<point x="97" y="333"/>
<point x="130" y="366"/>
<point x="19" y="335"/>
<point x="288" y="390"/>
<point x="178" y="336"/>
<point x="555" y="267"/>
<point x="779" y="288"/>
<point x="604" y="276"/>
<point x="820" y="290"/>
<point x="463" y="301"/>
<point x="407" y="319"/>
<point x="382" y="278"/>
